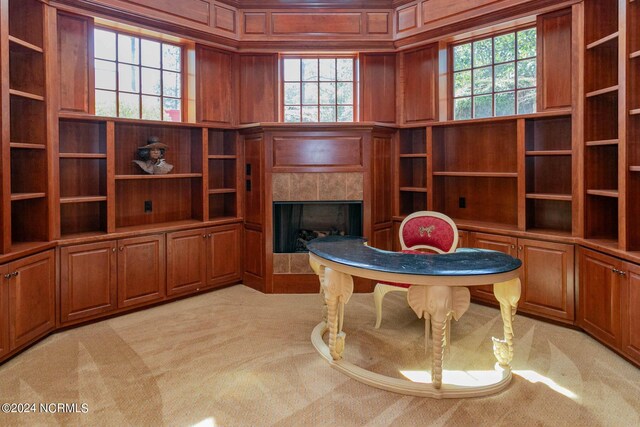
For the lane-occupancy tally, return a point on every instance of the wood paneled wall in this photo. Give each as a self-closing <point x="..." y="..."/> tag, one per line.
<point x="419" y="82"/>
<point x="378" y="87"/>
<point x="216" y="73"/>
<point x="258" y="88"/>
<point x="554" y="60"/>
<point x="75" y="57"/>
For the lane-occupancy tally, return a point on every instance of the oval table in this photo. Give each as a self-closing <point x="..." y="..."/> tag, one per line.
<point x="438" y="293"/>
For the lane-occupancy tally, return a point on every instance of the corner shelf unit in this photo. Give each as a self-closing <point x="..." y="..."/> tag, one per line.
<point x="509" y="173"/>
<point x="103" y="191"/>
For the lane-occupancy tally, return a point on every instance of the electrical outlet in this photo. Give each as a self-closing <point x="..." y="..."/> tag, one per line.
<point x="148" y="206"/>
<point x="462" y="202"/>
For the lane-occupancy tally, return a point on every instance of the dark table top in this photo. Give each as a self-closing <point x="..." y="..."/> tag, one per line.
<point x="352" y="252"/>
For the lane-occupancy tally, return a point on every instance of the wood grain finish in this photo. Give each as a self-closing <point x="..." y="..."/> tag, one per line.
<point x="492" y="242"/>
<point x="75" y="53"/>
<point x="253" y="244"/>
<point x="547" y="278"/>
<point x="4" y="310"/>
<point x="88" y="280"/>
<point x="599" y="307"/>
<point x="223" y="255"/>
<point x="435" y="10"/>
<point x="193" y="10"/>
<point x="186" y="261"/>
<point x="225" y="18"/>
<point x="215" y="90"/>
<point x="309" y="151"/>
<point x="253" y="190"/>
<point x="630" y="301"/>
<point x="344" y="23"/>
<point x="554" y="60"/>
<point x="141" y="270"/>
<point x="378" y="23"/>
<point x="382" y="173"/>
<point x="378" y="87"/>
<point x="258" y="88"/>
<point x="407" y="18"/>
<point x="255" y="22"/>
<point x="32" y="298"/>
<point x="482" y="147"/>
<point x="419" y="76"/>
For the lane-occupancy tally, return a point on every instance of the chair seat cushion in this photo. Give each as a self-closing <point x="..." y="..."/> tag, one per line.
<point x="405" y="285"/>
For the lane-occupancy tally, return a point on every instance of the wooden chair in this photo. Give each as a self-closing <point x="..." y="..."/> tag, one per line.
<point x="421" y="232"/>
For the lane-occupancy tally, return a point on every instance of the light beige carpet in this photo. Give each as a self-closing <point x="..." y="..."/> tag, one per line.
<point x="236" y="357"/>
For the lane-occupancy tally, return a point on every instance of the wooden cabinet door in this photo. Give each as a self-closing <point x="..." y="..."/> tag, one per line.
<point x="4" y="310"/>
<point x="599" y="306"/>
<point x="630" y="301"/>
<point x="463" y="239"/>
<point x="186" y="261"/>
<point x="88" y="280"/>
<point x="223" y="255"/>
<point x="493" y="242"/>
<point x="141" y="270"/>
<point x="547" y="279"/>
<point x="31" y="298"/>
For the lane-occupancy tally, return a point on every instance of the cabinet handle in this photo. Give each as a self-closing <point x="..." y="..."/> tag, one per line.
<point x="519" y="248"/>
<point x="113" y="249"/>
<point x="15" y="273"/>
<point x="209" y="235"/>
<point x="7" y="276"/>
<point x="121" y="248"/>
<point x="619" y="272"/>
<point x="513" y="246"/>
<point x="204" y="236"/>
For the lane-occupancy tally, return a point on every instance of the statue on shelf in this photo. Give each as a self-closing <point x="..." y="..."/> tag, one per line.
<point x="152" y="156"/>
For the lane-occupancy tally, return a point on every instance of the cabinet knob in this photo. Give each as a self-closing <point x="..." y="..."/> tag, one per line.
<point x="513" y="246"/>
<point x="204" y="236"/>
<point x="15" y="273"/>
<point x="519" y="248"/>
<point x="121" y="248"/>
<point x="113" y="249"/>
<point x="209" y="235"/>
<point x="7" y="276"/>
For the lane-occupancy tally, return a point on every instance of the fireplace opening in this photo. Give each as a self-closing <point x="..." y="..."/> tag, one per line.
<point x="296" y="224"/>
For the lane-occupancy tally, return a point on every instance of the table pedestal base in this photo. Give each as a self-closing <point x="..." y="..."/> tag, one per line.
<point x="498" y="381"/>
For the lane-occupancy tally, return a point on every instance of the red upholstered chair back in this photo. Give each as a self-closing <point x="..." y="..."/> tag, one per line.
<point x="429" y="230"/>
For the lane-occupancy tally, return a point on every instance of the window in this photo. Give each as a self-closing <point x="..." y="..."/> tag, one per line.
<point x="137" y="78"/>
<point x="320" y="89"/>
<point x="495" y="76"/>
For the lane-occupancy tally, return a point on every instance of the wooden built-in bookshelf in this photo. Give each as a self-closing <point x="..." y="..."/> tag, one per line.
<point x="103" y="191"/>
<point x="28" y="144"/>
<point x="603" y="139"/>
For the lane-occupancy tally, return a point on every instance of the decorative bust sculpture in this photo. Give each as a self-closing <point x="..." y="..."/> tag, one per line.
<point x="152" y="156"/>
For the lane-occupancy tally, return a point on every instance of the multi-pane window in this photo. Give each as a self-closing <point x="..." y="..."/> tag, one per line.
<point x="495" y="76"/>
<point x="136" y="77"/>
<point x="319" y="89"/>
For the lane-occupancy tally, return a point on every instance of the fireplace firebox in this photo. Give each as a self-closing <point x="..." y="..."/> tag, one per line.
<point x="296" y="223"/>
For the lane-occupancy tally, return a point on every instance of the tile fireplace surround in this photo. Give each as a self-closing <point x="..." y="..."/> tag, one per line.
<point x="304" y="187"/>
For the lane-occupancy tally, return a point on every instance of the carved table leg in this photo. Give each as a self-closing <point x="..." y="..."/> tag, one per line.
<point x="508" y="294"/>
<point x="337" y="289"/>
<point x="437" y="304"/>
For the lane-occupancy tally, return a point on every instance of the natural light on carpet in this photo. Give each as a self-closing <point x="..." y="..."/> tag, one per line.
<point x="458" y="378"/>
<point x="207" y="422"/>
<point x="534" y="377"/>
